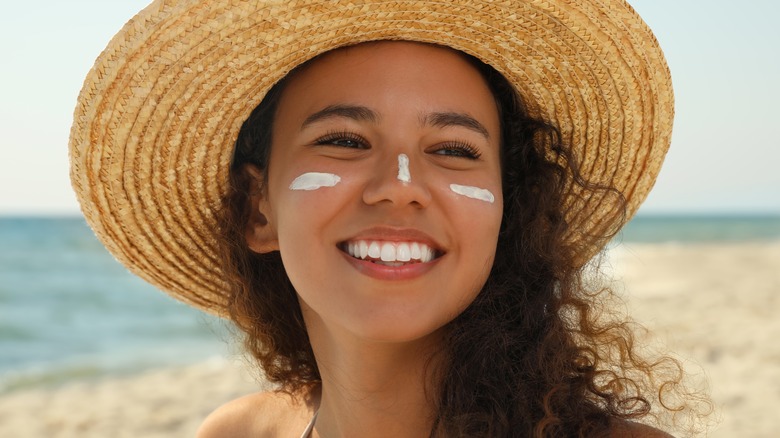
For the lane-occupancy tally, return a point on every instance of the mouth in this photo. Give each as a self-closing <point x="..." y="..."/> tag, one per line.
<point x="388" y="253"/>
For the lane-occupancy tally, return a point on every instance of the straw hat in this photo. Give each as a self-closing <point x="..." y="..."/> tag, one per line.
<point x="158" y="115"/>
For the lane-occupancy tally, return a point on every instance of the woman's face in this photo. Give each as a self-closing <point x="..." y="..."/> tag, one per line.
<point x="383" y="163"/>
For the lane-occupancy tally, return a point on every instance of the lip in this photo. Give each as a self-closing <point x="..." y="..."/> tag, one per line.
<point x="390" y="234"/>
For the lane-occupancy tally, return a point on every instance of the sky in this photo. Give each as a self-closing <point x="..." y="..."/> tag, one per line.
<point x="724" y="60"/>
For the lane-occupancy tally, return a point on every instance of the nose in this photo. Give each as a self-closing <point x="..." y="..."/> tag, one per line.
<point x="397" y="180"/>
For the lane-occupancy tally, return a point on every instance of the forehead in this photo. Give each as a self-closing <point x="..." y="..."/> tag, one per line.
<point x="391" y="74"/>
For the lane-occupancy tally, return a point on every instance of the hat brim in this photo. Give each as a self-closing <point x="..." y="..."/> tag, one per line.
<point x="158" y="115"/>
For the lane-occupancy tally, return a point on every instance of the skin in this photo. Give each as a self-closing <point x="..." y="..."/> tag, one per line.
<point x="374" y="330"/>
<point x="401" y="83"/>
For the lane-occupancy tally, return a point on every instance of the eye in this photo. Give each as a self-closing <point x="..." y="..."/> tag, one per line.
<point x="342" y="139"/>
<point x="458" y="150"/>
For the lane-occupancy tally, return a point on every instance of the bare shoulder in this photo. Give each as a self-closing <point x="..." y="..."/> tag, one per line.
<point x="629" y="429"/>
<point x="264" y="414"/>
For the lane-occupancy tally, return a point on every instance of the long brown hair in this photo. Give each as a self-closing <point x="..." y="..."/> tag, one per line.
<point x="531" y="356"/>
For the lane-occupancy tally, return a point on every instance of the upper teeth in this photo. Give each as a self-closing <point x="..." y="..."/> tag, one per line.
<point x="390" y="251"/>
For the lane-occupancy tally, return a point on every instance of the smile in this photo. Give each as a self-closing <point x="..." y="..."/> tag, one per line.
<point x="390" y="253"/>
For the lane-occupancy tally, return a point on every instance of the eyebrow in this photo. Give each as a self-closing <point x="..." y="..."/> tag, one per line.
<point x="363" y="113"/>
<point x="355" y="112"/>
<point x="445" y="119"/>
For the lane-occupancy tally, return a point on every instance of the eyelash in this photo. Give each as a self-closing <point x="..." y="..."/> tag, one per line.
<point x="331" y="138"/>
<point x="462" y="150"/>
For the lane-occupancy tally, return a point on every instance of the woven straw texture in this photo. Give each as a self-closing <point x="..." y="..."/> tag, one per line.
<point x="159" y="112"/>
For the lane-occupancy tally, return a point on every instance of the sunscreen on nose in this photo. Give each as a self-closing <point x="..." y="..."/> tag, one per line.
<point x="403" y="169"/>
<point x="314" y="181"/>
<point x="473" y="192"/>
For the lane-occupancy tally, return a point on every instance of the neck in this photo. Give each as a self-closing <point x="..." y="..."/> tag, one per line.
<point x="386" y="388"/>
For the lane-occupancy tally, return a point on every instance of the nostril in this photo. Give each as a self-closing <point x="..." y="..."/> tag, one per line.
<point x="399" y="188"/>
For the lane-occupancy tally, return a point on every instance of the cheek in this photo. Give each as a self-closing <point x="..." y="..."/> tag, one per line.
<point x="306" y="206"/>
<point x="479" y="223"/>
<point x="314" y="181"/>
<point x="473" y="192"/>
<point x="478" y="201"/>
<point x="305" y="244"/>
<point x="299" y="191"/>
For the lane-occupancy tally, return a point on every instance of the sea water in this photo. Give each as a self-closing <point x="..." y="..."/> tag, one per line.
<point x="701" y="228"/>
<point x="69" y="310"/>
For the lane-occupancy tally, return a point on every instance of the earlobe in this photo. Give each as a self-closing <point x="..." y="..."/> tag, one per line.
<point x="260" y="233"/>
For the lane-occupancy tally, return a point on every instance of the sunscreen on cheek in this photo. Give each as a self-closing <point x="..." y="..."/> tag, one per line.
<point x="473" y="192"/>
<point x="314" y="181"/>
<point x="403" y="169"/>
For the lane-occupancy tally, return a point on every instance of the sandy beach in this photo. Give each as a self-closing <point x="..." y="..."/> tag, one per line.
<point x="714" y="305"/>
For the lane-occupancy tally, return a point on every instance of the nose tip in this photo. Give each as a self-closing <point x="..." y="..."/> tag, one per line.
<point x="396" y="182"/>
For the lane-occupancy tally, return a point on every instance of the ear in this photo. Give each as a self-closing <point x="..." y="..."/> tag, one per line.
<point x="260" y="233"/>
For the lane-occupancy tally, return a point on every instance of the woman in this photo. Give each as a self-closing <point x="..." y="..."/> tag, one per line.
<point x="401" y="228"/>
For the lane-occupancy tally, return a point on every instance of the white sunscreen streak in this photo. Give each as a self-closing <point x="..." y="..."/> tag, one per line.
<point x="403" y="169"/>
<point x="473" y="192"/>
<point x="314" y="181"/>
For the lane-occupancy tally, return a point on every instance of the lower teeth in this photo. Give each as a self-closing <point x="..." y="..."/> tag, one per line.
<point x="393" y="264"/>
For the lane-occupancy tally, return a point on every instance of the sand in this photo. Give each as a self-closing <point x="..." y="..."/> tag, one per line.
<point x="716" y="306"/>
<point x="169" y="402"/>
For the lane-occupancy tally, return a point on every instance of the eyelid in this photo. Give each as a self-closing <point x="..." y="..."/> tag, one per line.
<point x="331" y="136"/>
<point x="468" y="150"/>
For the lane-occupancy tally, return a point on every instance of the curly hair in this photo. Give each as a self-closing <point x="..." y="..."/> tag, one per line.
<point x="531" y="356"/>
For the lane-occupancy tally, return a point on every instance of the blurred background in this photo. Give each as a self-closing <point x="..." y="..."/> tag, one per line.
<point x="707" y="238"/>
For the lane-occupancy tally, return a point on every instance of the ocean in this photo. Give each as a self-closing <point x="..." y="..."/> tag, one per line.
<point x="68" y="310"/>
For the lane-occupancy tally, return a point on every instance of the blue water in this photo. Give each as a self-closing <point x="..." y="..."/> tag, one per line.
<point x="69" y="310"/>
<point x="689" y="229"/>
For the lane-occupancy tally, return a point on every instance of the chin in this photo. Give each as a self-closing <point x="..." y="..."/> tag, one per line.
<point x="399" y="331"/>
